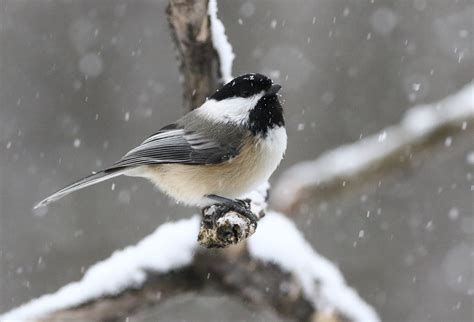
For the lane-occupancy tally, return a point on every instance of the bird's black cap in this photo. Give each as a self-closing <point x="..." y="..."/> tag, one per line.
<point x="243" y="86"/>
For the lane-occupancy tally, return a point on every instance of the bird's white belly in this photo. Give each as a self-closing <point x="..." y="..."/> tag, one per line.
<point x="253" y="165"/>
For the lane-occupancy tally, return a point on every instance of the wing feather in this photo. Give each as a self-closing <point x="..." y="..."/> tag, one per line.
<point x="177" y="145"/>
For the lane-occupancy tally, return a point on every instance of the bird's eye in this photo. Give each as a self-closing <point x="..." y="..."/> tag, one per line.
<point x="245" y="94"/>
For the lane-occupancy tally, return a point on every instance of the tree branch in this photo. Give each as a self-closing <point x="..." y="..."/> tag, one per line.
<point x="283" y="275"/>
<point x="221" y="228"/>
<point x="198" y="62"/>
<point x="197" y="58"/>
<point x="333" y="170"/>
<point x="257" y="282"/>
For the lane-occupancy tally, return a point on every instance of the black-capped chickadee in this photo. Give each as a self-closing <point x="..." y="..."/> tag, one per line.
<point x="216" y="153"/>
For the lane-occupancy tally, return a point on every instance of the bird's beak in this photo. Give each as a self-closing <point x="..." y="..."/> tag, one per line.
<point x="273" y="90"/>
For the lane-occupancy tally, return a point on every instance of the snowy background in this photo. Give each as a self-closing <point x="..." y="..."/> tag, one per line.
<point x="81" y="82"/>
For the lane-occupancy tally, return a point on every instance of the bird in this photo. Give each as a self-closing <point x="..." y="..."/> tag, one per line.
<point x="215" y="153"/>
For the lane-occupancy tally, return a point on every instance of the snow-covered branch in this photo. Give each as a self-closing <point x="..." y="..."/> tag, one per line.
<point x="335" y="167"/>
<point x="198" y="62"/>
<point x="221" y="43"/>
<point x="171" y="249"/>
<point x="205" y="55"/>
<point x="221" y="229"/>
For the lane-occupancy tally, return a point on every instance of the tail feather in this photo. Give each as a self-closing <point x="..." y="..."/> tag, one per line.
<point x="84" y="182"/>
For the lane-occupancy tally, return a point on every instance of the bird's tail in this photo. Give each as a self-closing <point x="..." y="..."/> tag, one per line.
<point x="84" y="182"/>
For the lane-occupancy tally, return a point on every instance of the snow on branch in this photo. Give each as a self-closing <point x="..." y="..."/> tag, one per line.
<point x="279" y="241"/>
<point x="173" y="245"/>
<point x="198" y="62"/>
<point x="202" y="45"/>
<point x="221" y="43"/>
<point x="336" y="166"/>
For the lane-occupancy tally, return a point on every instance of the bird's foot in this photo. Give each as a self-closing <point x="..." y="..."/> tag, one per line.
<point x="238" y="205"/>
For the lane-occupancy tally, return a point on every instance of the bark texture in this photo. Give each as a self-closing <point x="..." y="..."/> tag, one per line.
<point x="197" y="59"/>
<point x="221" y="228"/>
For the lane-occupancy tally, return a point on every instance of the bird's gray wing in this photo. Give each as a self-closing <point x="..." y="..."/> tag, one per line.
<point x="174" y="144"/>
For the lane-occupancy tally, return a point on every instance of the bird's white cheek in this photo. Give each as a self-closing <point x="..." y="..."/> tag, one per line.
<point x="235" y="110"/>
